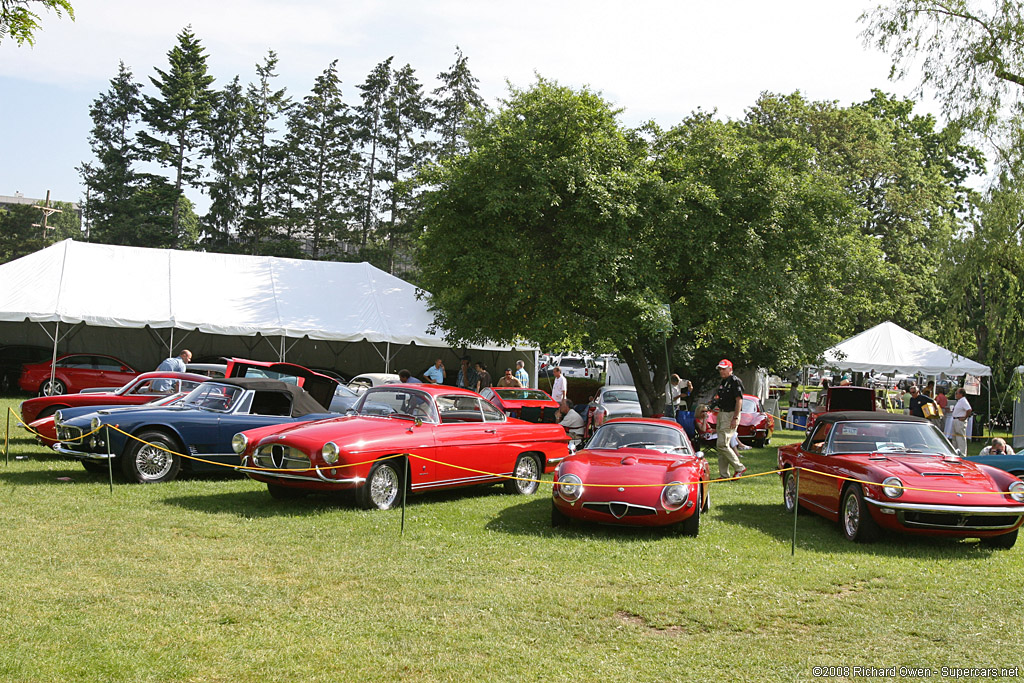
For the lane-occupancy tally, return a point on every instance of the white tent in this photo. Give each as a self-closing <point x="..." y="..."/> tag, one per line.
<point x="228" y="303"/>
<point x="888" y="348"/>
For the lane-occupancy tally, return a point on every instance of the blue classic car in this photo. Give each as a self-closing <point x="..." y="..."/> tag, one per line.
<point x="1014" y="464"/>
<point x="201" y="425"/>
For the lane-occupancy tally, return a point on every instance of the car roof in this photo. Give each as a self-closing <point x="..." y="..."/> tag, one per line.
<point x="432" y="389"/>
<point x="161" y="374"/>
<point x="302" y="402"/>
<point x="868" y="416"/>
<point x="644" y="420"/>
<point x="618" y="387"/>
<point x="374" y="375"/>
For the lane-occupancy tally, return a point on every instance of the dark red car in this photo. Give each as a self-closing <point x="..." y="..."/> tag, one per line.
<point x="532" y="405"/>
<point x="142" y="389"/>
<point x="872" y="470"/>
<point x="636" y="472"/>
<point x="756" y="426"/>
<point x="75" y="372"/>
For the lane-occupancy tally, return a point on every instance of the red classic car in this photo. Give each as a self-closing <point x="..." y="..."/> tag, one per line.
<point x="871" y="471"/>
<point x="142" y="389"/>
<point x="75" y="372"/>
<point x="600" y="483"/>
<point x="844" y="398"/>
<point x="463" y="439"/>
<point x="532" y="405"/>
<point x="756" y="426"/>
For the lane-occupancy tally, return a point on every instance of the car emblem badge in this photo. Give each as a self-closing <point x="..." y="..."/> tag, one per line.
<point x="959" y="495"/>
<point x="277" y="456"/>
<point x="621" y="490"/>
<point x="618" y="510"/>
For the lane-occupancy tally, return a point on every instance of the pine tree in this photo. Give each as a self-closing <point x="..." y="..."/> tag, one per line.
<point x="227" y="162"/>
<point x="111" y="182"/>
<point x="456" y="98"/>
<point x="320" y="135"/>
<point x="406" y="122"/>
<point x="264" y="106"/>
<point x="179" y="116"/>
<point x="369" y="132"/>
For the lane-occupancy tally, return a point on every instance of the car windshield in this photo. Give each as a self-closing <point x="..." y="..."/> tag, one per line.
<point x="888" y="437"/>
<point x="750" y="406"/>
<point x="397" y="403"/>
<point x="639" y="435"/>
<point x="521" y="394"/>
<point x="213" y="396"/>
<point x="342" y="390"/>
<point x="622" y="396"/>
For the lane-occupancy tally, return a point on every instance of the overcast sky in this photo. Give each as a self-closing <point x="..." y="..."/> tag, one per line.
<point x="656" y="60"/>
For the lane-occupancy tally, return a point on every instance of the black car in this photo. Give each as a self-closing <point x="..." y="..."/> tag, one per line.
<point x="13" y="357"/>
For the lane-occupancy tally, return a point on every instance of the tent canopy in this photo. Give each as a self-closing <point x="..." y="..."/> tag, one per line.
<point x="888" y="348"/>
<point x="222" y="294"/>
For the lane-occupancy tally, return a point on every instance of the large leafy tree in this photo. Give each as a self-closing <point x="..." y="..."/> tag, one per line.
<point x="454" y="101"/>
<point x="319" y="135"/>
<point x="970" y="53"/>
<point x="111" y="181"/>
<point x="907" y="177"/>
<point x="20" y="20"/>
<point x="561" y="227"/>
<point x="178" y="117"/>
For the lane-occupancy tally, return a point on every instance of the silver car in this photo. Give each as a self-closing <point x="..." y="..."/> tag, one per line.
<point x="615" y="400"/>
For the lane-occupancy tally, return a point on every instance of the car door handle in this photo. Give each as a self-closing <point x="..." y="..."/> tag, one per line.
<point x="490" y="431"/>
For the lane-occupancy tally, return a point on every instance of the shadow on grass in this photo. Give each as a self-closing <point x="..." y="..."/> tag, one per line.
<point x="533" y="518"/>
<point x="818" y="534"/>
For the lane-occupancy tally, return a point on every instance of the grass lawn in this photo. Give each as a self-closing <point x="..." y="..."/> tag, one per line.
<point x="209" y="579"/>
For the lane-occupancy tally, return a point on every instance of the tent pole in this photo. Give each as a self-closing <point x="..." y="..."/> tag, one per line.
<point x="170" y="345"/>
<point x="53" y="363"/>
<point x="387" y="358"/>
<point x="536" y="362"/>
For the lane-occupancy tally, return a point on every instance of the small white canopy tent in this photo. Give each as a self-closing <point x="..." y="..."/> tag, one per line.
<point x="889" y="349"/>
<point x="128" y="301"/>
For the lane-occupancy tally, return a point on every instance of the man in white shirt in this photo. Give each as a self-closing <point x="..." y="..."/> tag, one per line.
<point x="961" y="412"/>
<point x="570" y="420"/>
<point x="559" y="388"/>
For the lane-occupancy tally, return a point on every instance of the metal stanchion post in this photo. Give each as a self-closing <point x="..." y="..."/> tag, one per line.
<point x="405" y="486"/>
<point x="7" y="448"/>
<point x="796" y="508"/>
<point x="110" y="460"/>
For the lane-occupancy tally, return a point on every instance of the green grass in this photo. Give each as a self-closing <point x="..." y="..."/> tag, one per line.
<point x="209" y="579"/>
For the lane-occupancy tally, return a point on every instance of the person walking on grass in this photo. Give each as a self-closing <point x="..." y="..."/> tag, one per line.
<point x="728" y="404"/>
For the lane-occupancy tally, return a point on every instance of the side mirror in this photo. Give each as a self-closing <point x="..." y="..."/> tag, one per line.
<point x="700" y="454"/>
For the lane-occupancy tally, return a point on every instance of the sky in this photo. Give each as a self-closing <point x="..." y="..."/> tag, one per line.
<point x="656" y="60"/>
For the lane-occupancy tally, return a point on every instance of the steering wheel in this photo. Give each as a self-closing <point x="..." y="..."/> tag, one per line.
<point x="639" y="444"/>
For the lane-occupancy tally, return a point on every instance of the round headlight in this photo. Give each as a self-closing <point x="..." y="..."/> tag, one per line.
<point x="94" y="424"/>
<point x="239" y="442"/>
<point x="57" y="418"/>
<point x="1017" y="491"/>
<point x="892" y="487"/>
<point x="330" y="452"/>
<point x="674" y="495"/>
<point x="570" y="487"/>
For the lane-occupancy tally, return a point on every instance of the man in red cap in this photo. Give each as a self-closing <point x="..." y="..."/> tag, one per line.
<point x="728" y="403"/>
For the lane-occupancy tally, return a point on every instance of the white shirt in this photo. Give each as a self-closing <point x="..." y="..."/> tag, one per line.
<point x="572" y="423"/>
<point x="987" y="450"/>
<point x="962" y="408"/>
<point x="559" y="388"/>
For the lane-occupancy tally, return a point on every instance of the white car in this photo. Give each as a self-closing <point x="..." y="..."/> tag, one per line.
<point x="580" y="367"/>
<point x="615" y="400"/>
<point x="361" y="383"/>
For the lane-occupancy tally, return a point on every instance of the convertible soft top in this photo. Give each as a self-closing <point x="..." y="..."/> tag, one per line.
<point x="868" y="416"/>
<point x="302" y="402"/>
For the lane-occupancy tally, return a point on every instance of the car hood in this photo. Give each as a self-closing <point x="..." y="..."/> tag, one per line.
<point x="515" y="404"/>
<point x="933" y="472"/>
<point x="631" y="466"/>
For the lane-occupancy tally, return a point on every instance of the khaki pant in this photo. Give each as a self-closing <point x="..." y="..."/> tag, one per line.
<point x="960" y="434"/>
<point x="727" y="455"/>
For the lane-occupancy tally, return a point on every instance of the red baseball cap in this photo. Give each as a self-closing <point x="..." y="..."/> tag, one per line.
<point x="724" y="363"/>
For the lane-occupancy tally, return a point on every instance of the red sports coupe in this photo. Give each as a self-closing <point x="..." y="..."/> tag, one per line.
<point x="871" y="471"/>
<point x="756" y="426"/>
<point x="634" y="471"/>
<point x="142" y="389"/>
<point x="75" y="372"/>
<point x="45" y="428"/>
<point x="462" y="438"/>
<point x="532" y="405"/>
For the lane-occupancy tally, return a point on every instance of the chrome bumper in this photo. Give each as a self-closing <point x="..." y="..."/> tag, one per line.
<point x="965" y="509"/>
<point x="80" y="455"/>
<point x="298" y="477"/>
<point x="957" y="518"/>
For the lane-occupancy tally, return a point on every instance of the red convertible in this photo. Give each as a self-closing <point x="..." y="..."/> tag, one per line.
<point x="871" y="471"/>
<point x="74" y="372"/>
<point x="634" y="471"/>
<point x="142" y="389"/>
<point x="464" y="440"/>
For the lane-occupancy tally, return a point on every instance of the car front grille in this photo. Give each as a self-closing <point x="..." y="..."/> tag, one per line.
<point x="954" y="521"/>
<point x="620" y="510"/>
<point x="280" y="457"/>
